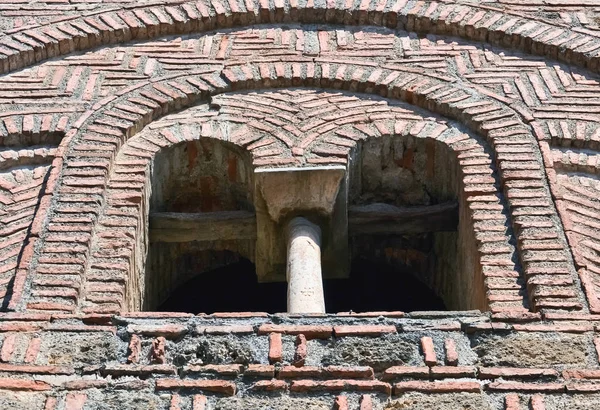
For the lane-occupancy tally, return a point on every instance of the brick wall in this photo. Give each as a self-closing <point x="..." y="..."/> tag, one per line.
<point x="506" y="91"/>
<point x="230" y="361"/>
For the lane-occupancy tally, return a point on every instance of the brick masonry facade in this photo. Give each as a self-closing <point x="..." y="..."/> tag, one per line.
<point x="497" y="105"/>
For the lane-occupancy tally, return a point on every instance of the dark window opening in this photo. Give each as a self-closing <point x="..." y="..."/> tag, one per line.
<point x="379" y="287"/>
<point x="370" y="287"/>
<point x="232" y="288"/>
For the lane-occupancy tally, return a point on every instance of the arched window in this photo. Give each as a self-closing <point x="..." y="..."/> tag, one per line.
<point x="386" y="217"/>
<point x="196" y="188"/>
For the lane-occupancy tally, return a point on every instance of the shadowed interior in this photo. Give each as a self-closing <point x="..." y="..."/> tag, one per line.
<point x="234" y="288"/>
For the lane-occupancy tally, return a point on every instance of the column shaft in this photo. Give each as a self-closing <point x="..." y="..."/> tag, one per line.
<point x="304" y="276"/>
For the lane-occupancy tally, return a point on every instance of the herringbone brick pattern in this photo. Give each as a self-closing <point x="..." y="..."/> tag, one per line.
<point x="29" y="14"/>
<point x="19" y="197"/>
<point x="569" y="35"/>
<point x="490" y="88"/>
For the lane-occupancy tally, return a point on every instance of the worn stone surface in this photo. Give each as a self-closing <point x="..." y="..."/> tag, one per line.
<point x="534" y="349"/>
<point x="124" y="399"/>
<point x="228" y="350"/>
<point x="76" y="349"/>
<point x="279" y="403"/>
<point x="457" y="401"/>
<point x="377" y="352"/>
<point x="21" y="400"/>
<point x="575" y="402"/>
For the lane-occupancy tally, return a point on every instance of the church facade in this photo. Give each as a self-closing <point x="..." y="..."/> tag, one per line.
<point x="300" y="204"/>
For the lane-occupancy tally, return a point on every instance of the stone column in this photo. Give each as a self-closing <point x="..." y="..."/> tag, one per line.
<point x="305" y="280"/>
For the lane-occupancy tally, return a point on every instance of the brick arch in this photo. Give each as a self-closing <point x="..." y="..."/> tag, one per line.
<point x="455" y="101"/>
<point x="24" y="47"/>
<point x="255" y="136"/>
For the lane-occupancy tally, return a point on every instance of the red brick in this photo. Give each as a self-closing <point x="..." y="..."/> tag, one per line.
<point x="275" y="348"/>
<point x="517" y="316"/>
<point x="437" y="387"/>
<point x="260" y="370"/>
<point x="96" y="319"/>
<point x="288" y="372"/>
<point x="310" y="331"/>
<point x="507" y="372"/>
<point x="583" y="387"/>
<point x="81" y="328"/>
<point x="482" y="327"/>
<point x="8" y="347"/>
<point x="238" y="314"/>
<point x="512" y="402"/>
<point x="167" y="331"/>
<point x="537" y="402"/>
<point x="515" y="386"/>
<point x="51" y="403"/>
<point x="217" y="386"/>
<point x="83" y="384"/>
<point x="405" y="371"/>
<point x="451" y="353"/>
<point x="393" y="314"/>
<point x="440" y="372"/>
<point x="334" y="372"/>
<point x="554" y="328"/>
<point x="354" y="372"/>
<point x="340" y="385"/>
<point x="428" y="351"/>
<point x="135" y="348"/>
<point x="341" y="403"/>
<point x="24" y="316"/>
<point x="363" y="330"/>
<point x="21" y="368"/>
<point x="502" y="137"/>
<point x="199" y="402"/>
<point x="26" y="385"/>
<point x="581" y="374"/>
<point x="33" y="349"/>
<point x="366" y="402"/>
<point x="156" y="315"/>
<point x="218" y="369"/>
<point x="301" y="351"/>
<point x="157" y="351"/>
<point x="224" y="330"/>
<point x="175" y="402"/>
<point x="571" y="316"/>
<point x="138" y="370"/>
<point x="270" y="385"/>
<point x="75" y="401"/>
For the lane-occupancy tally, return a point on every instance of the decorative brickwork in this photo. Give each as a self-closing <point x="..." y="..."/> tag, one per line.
<point x="331" y="136"/>
<point x="493" y="105"/>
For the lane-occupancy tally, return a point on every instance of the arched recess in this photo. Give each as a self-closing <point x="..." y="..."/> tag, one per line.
<point x="389" y="145"/>
<point x="27" y="45"/>
<point x="471" y="104"/>
<point x="201" y="176"/>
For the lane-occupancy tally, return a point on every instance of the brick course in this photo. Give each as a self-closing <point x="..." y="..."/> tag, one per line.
<point x="218" y="378"/>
